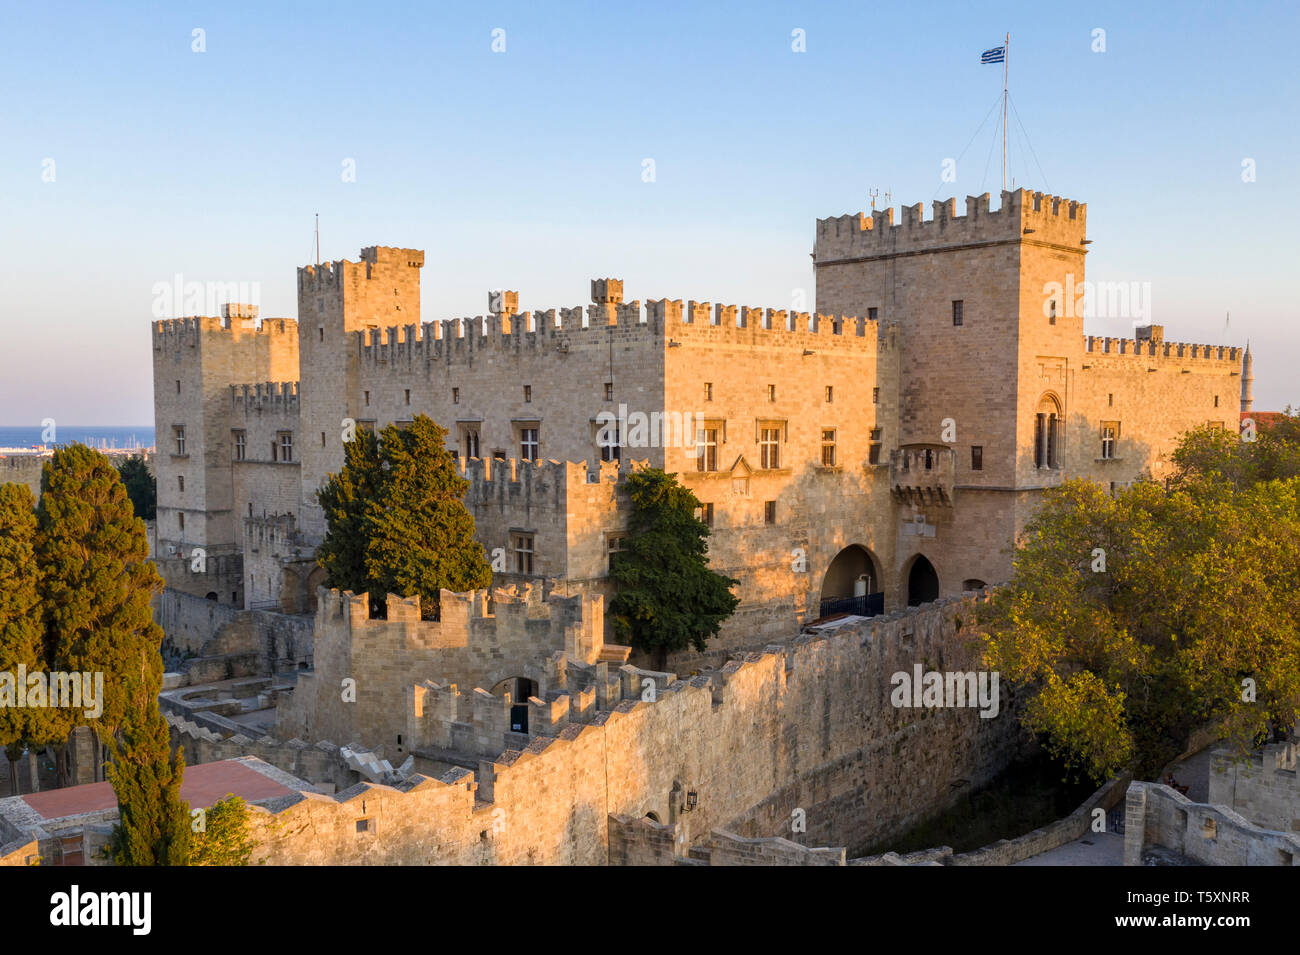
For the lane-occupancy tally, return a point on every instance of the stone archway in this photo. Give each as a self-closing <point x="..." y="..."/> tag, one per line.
<point x="922" y="581"/>
<point x="852" y="584"/>
<point x="315" y="579"/>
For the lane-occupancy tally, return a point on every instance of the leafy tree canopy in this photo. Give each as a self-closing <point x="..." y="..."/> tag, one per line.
<point x="141" y="487"/>
<point x="396" y="519"/>
<point x="667" y="599"/>
<point x="1138" y="618"/>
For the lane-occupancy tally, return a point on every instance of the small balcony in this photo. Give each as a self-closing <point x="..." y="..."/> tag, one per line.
<point x="923" y="474"/>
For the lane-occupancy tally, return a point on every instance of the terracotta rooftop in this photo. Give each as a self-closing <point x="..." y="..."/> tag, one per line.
<point x="203" y="785"/>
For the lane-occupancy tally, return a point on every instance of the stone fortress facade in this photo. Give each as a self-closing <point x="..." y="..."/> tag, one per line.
<point x="880" y="452"/>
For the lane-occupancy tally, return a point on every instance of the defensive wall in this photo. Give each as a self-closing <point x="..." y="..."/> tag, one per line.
<point x="807" y="727"/>
<point x="1157" y="817"/>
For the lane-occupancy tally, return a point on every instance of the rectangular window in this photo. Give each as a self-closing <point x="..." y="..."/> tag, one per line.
<point x="769" y="448"/>
<point x="1109" y="438"/>
<point x="179" y="434"/>
<point x="610" y="441"/>
<point x="705" y="513"/>
<point x="830" y="393"/>
<point x="322" y="439"/>
<point x="956" y="311"/>
<point x="872" y="313"/>
<point x="408" y="396"/>
<point x="178" y="386"/>
<point x="180" y="521"/>
<point x="769" y="512"/>
<point x="286" y="445"/>
<point x="471" y="444"/>
<point x="1051" y="315"/>
<point x="1110" y="400"/>
<point x="530" y="444"/>
<point x="367" y="397"/>
<point x="321" y="332"/>
<point x="180" y="482"/>
<point x="614" y="546"/>
<point x="528" y="393"/>
<point x="875" y="396"/>
<point x="771" y="393"/>
<point x="873" y="450"/>
<point x="609" y="391"/>
<point x="708" y="391"/>
<point x="241" y="445"/>
<point x="1216" y="401"/>
<point x="523" y="547"/>
<point x="707" y="459"/>
<point x="455" y="396"/>
<point x="977" y="457"/>
<point x="828" y="447"/>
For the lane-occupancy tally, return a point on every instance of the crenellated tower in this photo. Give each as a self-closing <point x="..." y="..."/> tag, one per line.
<point x="334" y="300"/>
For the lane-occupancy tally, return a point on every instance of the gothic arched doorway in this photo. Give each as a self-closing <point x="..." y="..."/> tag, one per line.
<point x="922" y="582"/>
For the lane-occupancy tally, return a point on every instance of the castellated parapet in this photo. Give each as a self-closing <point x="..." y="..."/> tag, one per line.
<point x="481" y="638"/>
<point x="1024" y="216"/>
<point x="457" y="340"/>
<point x="271" y="397"/>
<point x="1142" y="348"/>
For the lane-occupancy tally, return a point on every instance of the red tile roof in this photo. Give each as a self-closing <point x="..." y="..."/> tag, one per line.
<point x="202" y="786"/>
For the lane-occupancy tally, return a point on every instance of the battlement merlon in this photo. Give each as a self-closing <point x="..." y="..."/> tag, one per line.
<point x="271" y="396"/>
<point x="175" y="333"/>
<point x="1024" y="216"/>
<point x="1157" y="348"/>
<point x="660" y="322"/>
<point x="374" y="260"/>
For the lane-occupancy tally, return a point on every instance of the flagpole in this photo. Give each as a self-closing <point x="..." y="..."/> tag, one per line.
<point x="1006" y="69"/>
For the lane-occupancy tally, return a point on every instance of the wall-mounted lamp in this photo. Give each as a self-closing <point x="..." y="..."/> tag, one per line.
<point x="692" y="799"/>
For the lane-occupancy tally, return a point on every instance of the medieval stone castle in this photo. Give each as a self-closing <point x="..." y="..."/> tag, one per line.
<point x="864" y="468"/>
<point x="879" y="452"/>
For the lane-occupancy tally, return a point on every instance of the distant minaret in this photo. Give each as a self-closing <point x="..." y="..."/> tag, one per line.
<point x="1247" y="381"/>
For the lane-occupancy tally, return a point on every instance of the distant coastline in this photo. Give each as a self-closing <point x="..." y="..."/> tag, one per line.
<point x="27" y="439"/>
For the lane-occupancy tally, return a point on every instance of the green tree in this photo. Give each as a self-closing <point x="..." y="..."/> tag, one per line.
<point x="21" y="637"/>
<point x="95" y="584"/>
<point x="345" y="499"/>
<point x="396" y="519"/>
<point x="226" y="837"/>
<point x="141" y="487"/>
<point x="667" y="599"/>
<point x="153" y="821"/>
<point x="96" y="581"/>
<point x="1210" y="454"/>
<point x="1135" y="619"/>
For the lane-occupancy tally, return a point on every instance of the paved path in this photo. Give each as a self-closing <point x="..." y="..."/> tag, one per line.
<point x="1096" y="848"/>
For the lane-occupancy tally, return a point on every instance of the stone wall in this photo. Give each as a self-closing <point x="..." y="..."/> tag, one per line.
<point x="805" y="727"/>
<point x="1157" y="816"/>
<point x="1262" y="787"/>
<point x="221" y="637"/>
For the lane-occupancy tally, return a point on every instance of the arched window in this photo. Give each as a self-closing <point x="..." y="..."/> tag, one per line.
<point x="1047" y="433"/>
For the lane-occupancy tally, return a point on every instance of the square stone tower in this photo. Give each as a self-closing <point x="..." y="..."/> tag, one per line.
<point x="334" y="300"/>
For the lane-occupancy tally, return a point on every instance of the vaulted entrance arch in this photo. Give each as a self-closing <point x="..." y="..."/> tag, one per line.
<point x="853" y="584"/>
<point x="922" y="581"/>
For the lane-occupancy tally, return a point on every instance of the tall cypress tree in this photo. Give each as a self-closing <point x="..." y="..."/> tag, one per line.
<point x="345" y="498"/>
<point x="21" y="642"/>
<point x="96" y="582"/>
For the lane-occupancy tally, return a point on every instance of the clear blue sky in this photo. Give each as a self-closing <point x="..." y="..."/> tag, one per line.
<point x="523" y="169"/>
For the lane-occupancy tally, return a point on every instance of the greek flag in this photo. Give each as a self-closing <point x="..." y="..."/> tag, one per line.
<point x="996" y="55"/>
